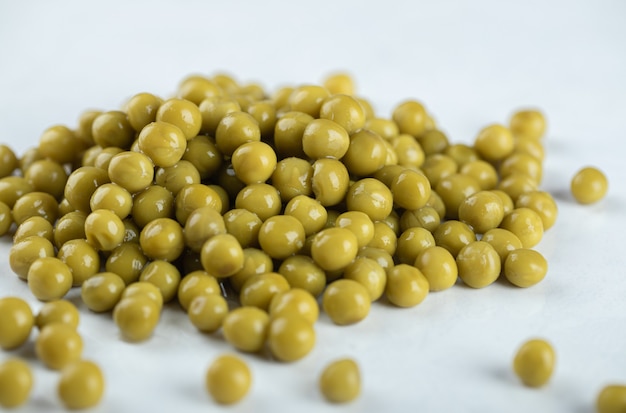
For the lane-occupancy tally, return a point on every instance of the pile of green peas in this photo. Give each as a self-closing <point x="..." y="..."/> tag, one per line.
<point x="295" y="202"/>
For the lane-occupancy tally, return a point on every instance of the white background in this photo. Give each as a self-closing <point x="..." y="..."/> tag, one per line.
<point x="471" y="63"/>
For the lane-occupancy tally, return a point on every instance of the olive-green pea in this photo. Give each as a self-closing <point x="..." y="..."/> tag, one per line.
<point x="57" y="311"/>
<point x="12" y="188"/>
<point x="406" y="286"/>
<point x="82" y="258"/>
<point x="182" y="113"/>
<point x="162" y="142"/>
<point x="58" y="345"/>
<point x="194" y="284"/>
<point x="246" y="328"/>
<point x="281" y="236"/>
<point x="292" y="178"/>
<point x="410" y="116"/>
<point x="207" y="312"/>
<point x="136" y="317"/>
<point x="162" y="239"/>
<point x="81" y="385"/>
<point x="589" y="185"/>
<point x="482" y="211"/>
<point x="141" y="109"/>
<point x="8" y="161"/>
<point x="503" y="241"/>
<point x="33" y="226"/>
<point x="261" y="199"/>
<point x="16" y="322"/>
<point x="478" y="264"/>
<point x="529" y="124"/>
<point x="494" y="142"/>
<point x="483" y="172"/>
<point x="334" y="248"/>
<point x="194" y="196"/>
<point x="48" y="176"/>
<point x="104" y="229"/>
<point x="438" y="266"/>
<point x="152" y="203"/>
<point x="175" y="177"/>
<point x="127" y="261"/>
<point x="370" y="196"/>
<point x="222" y="255"/>
<point x="35" y="204"/>
<point x="82" y="183"/>
<point x="228" y="379"/>
<point x="330" y="181"/>
<point x="453" y="235"/>
<point x="244" y="225"/>
<point x="16" y="383"/>
<point x="308" y="99"/>
<point x="340" y="381"/>
<point x="311" y="214"/>
<point x="366" y="154"/>
<point x="235" y="129"/>
<point x="453" y="189"/>
<point x="49" y="278"/>
<point x="301" y="271"/>
<point x="611" y="399"/>
<point x="6" y="220"/>
<point x="290" y="337"/>
<point x="60" y="144"/>
<point x="384" y="238"/>
<point x="260" y="289"/>
<point x="411" y="242"/>
<point x="102" y="291"/>
<point x="146" y="289"/>
<point x="288" y="133"/>
<point x="164" y="275"/>
<point x="346" y="302"/>
<point x="202" y="153"/>
<point x="23" y="253"/>
<point x="534" y="362"/>
<point x="410" y="189"/>
<point x="255" y="262"/>
<point x="525" y="267"/>
<point x="112" y="128"/>
<point x="370" y="274"/>
<point x="526" y="224"/>
<point x="425" y="217"/>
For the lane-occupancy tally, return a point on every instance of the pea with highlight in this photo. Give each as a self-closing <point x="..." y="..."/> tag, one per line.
<point x="346" y="302"/>
<point x="589" y="185"/>
<point x="228" y="379"/>
<point x="406" y="286"/>
<point x="16" y="322"/>
<point x="81" y="385"/>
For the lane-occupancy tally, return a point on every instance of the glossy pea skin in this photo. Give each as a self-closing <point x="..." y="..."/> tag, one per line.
<point x="340" y="381"/>
<point x="589" y="185"/>
<point x="163" y="143"/>
<point x="58" y="345"/>
<point x="162" y="239"/>
<point x="164" y="275"/>
<point x="346" y="302"/>
<point x="526" y="224"/>
<point x="49" y="278"/>
<point x="81" y="385"/>
<point x="260" y="289"/>
<point x="295" y="301"/>
<point x="16" y="383"/>
<point x="410" y="190"/>
<point x="57" y="311"/>
<point x="334" y="248"/>
<point x="133" y="171"/>
<point x="478" y="264"/>
<point x="246" y="328"/>
<point x="207" y="312"/>
<point x="281" y="236"/>
<point x="290" y="337"/>
<point x="482" y="211"/>
<point x="6" y="220"/>
<point x="136" y="317"/>
<point x="194" y="284"/>
<point x="35" y="204"/>
<point x="23" y="253"/>
<point x="438" y="266"/>
<point x="525" y="267"/>
<point x="611" y="399"/>
<point x="534" y="362"/>
<point x="301" y="271"/>
<point x="228" y="379"/>
<point x="104" y="230"/>
<point x="406" y="286"/>
<point x="222" y="256"/>
<point x="16" y="322"/>
<point x="82" y="258"/>
<point x="102" y="292"/>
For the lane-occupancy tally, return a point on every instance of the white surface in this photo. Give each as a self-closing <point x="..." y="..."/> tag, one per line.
<point x="471" y="63"/>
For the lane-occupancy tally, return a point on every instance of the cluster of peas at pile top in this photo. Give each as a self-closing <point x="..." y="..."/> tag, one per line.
<point x="278" y="200"/>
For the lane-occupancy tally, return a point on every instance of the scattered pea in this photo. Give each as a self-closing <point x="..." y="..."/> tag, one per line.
<point x="340" y="381"/>
<point x="534" y="362"/>
<point x="228" y="379"/>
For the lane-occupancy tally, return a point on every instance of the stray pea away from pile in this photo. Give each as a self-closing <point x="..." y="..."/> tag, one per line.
<point x="256" y="212"/>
